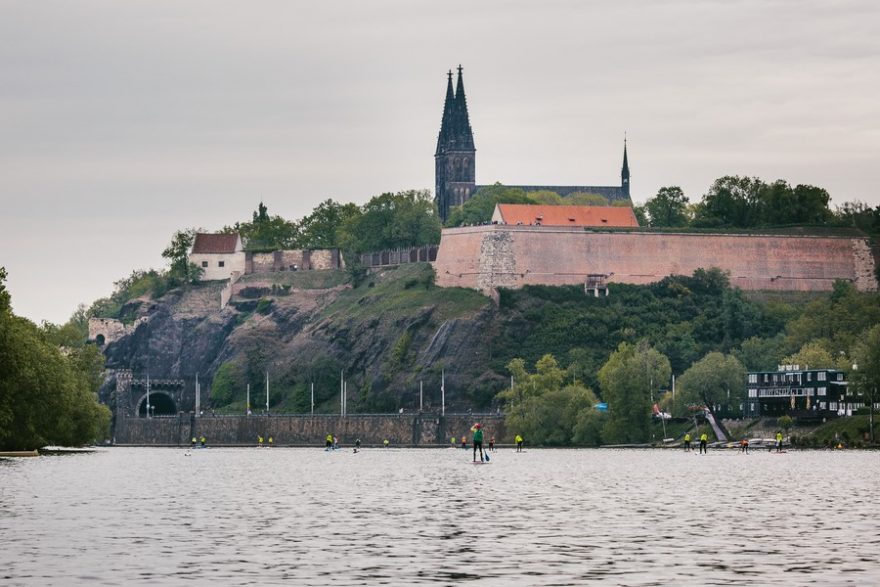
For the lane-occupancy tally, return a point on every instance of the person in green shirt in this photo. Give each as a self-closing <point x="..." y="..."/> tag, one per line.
<point x="704" y="439"/>
<point x="478" y="442"/>
<point x="519" y="442"/>
<point x="687" y="442"/>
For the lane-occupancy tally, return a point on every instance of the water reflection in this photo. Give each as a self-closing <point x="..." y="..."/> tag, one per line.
<point x="402" y="517"/>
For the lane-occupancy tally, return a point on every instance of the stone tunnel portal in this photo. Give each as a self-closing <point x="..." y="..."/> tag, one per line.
<point x="161" y="404"/>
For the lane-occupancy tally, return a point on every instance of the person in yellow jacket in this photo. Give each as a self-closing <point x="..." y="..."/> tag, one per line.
<point x="779" y="442"/>
<point x="260" y="441"/>
<point x="687" y="442"/>
<point x="519" y="443"/>
<point x="704" y="440"/>
<point x="329" y="442"/>
<point x="271" y="440"/>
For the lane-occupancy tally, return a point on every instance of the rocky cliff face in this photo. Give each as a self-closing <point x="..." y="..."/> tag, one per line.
<point x="385" y="335"/>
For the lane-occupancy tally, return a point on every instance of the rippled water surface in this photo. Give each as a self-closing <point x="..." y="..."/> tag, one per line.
<point x="404" y="517"/>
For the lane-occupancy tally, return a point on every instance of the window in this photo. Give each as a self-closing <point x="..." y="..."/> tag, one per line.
<point x="221" y="264"/>
<point x="823" y="391"/>
<point x="840" y="376"/>
<point x="753" y="378"/>
<point x="832" y="406"/>
<point x="809" y="376"/>
<point x="753" y="393"/>
<point x="821" y="375"/>
<point x="204" y="263"/>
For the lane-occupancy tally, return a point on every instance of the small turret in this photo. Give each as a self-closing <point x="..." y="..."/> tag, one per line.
<point x="624" y="172"/>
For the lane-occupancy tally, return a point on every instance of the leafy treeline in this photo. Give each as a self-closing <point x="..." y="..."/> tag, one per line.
<point x="730" y="202"/>
<point x="625" y="347"/>
<point x="479" y="209"/>
<point x="749" y="202"/>
<point x="387" y="221"/>
<point x="48" y="383"/>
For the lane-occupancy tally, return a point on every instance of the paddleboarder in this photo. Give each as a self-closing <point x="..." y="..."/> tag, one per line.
<point x="478" y="441"/>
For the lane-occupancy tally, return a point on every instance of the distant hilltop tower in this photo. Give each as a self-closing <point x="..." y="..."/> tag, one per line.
<point x="454" y="160"/>
<point x="454" y="168"/>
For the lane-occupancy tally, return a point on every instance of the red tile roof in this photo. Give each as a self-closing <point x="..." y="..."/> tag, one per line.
<point x="215" y="243"/>
<point x="618" y="216"/>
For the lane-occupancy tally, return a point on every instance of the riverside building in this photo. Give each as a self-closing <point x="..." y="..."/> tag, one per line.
<point x="803" y="393"/>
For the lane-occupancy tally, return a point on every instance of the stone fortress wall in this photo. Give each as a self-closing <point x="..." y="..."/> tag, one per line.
<point x="491" y="256"/>
<point x="293" y="260"/>
<point x="409" y="429"/>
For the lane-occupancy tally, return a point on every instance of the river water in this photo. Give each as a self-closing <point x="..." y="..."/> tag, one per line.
<point x="143" y="516"/>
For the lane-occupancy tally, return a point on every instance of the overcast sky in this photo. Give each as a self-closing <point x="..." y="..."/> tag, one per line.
<point x="121" y="122"/>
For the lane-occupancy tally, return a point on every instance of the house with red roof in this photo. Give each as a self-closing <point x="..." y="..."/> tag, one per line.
<point x="218" y="255"/>
<point x="578" y="216"/>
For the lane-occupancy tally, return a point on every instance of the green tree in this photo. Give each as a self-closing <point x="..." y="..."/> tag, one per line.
<point x="585" y="199"/>
<point x="320" y="229"/>
<point x="865" y="378"/>
<point x="731" y="201"/>
<point x="266" y="232"/>
<point x="227" y="385"/>
<point x="714" y="380"/>
<point x="814" y="355"/>
<point x="177" y="253"/>
<point x="479" y="209"/>
<point x="629" y="379"/>
<point x="388" y="221"/>
<point x="46" y="396"/>
<point x="668" y="208"/>
<point x="761" y="354"/>
<point x="540" y="406"/>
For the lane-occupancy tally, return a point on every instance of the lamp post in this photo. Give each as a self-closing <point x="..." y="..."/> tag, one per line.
<point x="870" y="406"/>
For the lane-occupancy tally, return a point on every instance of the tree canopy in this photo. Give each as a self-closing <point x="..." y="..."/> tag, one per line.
<point x="541" y="406"/>
<point x="47" y="394"/>
<point x="629" y="380"/>
<point x="714" y="381"/>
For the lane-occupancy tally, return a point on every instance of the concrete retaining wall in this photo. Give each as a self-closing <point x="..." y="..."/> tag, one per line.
<point x="406" y="429"/>
<point x="488" y="257"/>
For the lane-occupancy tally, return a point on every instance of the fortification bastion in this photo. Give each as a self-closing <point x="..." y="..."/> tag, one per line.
<point x="492" y="256"/>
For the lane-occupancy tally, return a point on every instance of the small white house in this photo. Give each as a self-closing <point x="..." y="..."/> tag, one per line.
<point x="219" y="255"/>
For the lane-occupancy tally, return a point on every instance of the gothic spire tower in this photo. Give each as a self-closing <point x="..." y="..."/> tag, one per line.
<point x="454" y="169"/>
<point x="624" y="172"/>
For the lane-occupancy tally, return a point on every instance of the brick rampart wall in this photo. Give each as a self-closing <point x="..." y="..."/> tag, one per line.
<point x="487" y="257"/>
<point x="404" y="429"/>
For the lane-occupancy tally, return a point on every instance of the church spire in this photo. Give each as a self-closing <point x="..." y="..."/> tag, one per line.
<point x="462" y="133"/>
<point x="448" y="110"/>
<point x="624" y="172"/>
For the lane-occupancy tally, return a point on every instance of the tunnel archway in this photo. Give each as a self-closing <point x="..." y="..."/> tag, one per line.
<point x="161" y="404"/>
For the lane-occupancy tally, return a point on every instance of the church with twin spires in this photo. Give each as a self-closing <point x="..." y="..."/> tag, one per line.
<point x="454" y="160"/>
